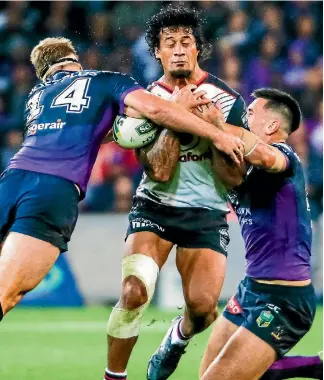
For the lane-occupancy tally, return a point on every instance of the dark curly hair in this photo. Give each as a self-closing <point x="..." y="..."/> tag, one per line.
<point x="177" y="15"/>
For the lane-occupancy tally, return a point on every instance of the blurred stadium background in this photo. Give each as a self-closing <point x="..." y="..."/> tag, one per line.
<point x="256" y="44"/>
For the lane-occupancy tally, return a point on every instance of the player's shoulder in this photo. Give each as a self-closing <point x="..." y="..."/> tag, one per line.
<point x="219" y="85"/>
<point x="284" y="148"/>
<point x="101" y="74"/>
<point x="290" y="153"/>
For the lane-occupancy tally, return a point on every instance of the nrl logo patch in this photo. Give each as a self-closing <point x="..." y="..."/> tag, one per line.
<point x="264" y="319"/>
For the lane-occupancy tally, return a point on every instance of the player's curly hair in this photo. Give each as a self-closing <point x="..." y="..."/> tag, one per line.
<point x="177" y="15"/>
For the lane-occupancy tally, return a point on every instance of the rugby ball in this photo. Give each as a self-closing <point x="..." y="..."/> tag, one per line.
<point x="132" y="133"/>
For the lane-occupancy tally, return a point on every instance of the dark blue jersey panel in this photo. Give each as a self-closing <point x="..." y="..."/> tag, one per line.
<point x="66" y="118"/>
<point x="275" y="221"/>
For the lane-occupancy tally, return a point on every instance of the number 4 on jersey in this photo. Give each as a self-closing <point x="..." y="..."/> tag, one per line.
<point x="74" y="97"/>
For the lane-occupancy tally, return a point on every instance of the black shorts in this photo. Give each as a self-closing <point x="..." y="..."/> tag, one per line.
<point x="279" y="315"/>
<point x="39" y="205"/>
<point x="187" y="227"/>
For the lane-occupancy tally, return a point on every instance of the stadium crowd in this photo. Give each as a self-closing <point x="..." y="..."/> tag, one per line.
<point x="255" y="44"/>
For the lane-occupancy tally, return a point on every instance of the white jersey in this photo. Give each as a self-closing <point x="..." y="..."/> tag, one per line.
<point x="194" y="183"/>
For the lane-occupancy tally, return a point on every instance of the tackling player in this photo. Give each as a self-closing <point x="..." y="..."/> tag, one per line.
<point x="275" y="304"/>
<point x="67" y="116"/>
<point x="177" y="203"/>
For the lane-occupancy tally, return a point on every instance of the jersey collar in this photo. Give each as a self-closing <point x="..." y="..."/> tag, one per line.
<point x="59" y="75"/>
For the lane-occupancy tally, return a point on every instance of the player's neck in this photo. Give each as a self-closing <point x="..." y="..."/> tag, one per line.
<point x="195" y="78"/>
<point x="69" y="67"/>
<point x="276" y="139"/>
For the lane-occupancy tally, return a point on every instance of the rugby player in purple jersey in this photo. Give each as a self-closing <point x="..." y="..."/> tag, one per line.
<point x="275" y="304"/>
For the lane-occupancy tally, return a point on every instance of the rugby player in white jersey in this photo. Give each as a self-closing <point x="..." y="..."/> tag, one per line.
<point x="177" y="203"/>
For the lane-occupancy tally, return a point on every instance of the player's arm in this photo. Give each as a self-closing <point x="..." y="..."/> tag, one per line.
<point x="258" y="153"/>
<point x="161" y="156"/>
<point x="174" y="117"/>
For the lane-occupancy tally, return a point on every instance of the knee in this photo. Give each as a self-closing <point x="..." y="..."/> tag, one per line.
<point x="8" y="302"/>
<point x="134" y="294"/>
<point x="202" y="305"/>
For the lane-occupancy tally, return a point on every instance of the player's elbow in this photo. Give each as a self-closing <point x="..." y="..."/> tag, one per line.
<point x="267" y="160"/>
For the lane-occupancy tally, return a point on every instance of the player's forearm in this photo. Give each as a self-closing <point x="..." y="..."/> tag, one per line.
<point x="228" y="173"/>
<point x="161" y="157"/>
<point x="257" y="152"/>
<point x="170" y="115"/>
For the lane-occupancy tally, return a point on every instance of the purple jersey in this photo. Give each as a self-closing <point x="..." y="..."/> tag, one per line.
<point x="275" y="221"/>
<point x="66" y="119"/>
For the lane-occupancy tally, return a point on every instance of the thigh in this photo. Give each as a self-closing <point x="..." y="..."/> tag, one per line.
<point x="148" y="244"/>
<point x="24" y="262"/>
<point x="10" y="187"/>
<point x="202" y="272"/>
<point x="245" y="357"/>
<point x="47" y="209"/>
<point x="222" y="331"/>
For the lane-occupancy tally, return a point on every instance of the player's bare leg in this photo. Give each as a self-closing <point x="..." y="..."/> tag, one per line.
<point x="202" y="272"/>
<point x="245" y="356"/>
<point x="24" y="262"/>
<point x="222" y="332"/>
<point x="150" y="252"/>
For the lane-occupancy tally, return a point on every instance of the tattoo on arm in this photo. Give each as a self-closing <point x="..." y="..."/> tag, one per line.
<point x="160" y="158"/>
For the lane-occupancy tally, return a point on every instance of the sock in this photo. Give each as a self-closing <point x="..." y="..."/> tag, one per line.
<point x="109" y="375"/>
<point x="295" y="366"/>
<point x="177" y="336"/>
<point x="1" y="313"/>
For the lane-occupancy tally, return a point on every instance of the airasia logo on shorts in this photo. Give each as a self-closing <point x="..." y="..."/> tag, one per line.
<point x="233" y="306"/>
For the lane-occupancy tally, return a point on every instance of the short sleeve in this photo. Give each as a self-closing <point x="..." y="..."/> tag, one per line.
<point x="289" y="153"/>
<point x="238" y="114"/>
<point x="124" y="84"/>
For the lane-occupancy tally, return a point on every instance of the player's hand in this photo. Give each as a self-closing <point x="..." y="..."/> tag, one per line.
<point x="108" y="138"/>
<point x="187" y="98"/>
<point x="131" y="112"/>
<point x="231" y="145"/>
<point x="212" y="114"/>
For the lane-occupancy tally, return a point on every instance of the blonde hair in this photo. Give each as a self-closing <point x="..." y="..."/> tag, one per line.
<point x="48" y="52"/>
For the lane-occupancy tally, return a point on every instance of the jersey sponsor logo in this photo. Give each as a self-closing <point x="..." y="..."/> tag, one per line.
<point x="264" y="319"/>
<point x="233" y="306"/>
<point x="33" y="128"/>
<point x="188" y="157"/>
<point x="244" y="215"/>
<point x="142" y="222"/>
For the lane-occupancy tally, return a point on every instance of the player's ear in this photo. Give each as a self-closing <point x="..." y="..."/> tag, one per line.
<point x="273" y="127"/>
<point x="157" y="53"/>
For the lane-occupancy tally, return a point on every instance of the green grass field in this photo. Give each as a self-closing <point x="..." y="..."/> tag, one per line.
<point x="70" y="344"/>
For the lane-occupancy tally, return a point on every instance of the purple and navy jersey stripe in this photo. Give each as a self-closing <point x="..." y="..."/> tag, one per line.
<point x="66" y="119"/>
<point x="275" y="221"/>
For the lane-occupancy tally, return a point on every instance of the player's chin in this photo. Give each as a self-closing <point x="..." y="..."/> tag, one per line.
<point x="180" y="73"/>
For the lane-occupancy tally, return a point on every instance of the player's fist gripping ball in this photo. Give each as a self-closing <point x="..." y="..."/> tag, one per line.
<point x="131" y="133"/>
